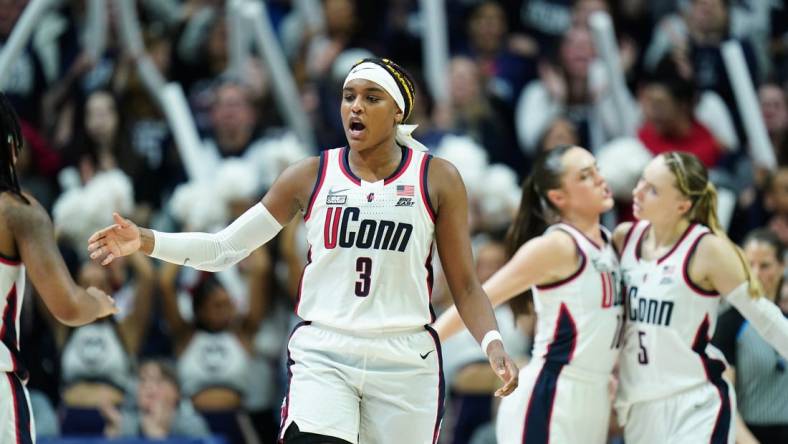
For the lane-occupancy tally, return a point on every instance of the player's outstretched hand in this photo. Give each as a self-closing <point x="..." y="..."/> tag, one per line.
<point x="119" y="239"/>
<point x="106" y="303"/>
<point x="504" y="368"/>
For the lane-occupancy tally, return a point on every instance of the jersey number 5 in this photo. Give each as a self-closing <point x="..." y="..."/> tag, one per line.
<point x="364" y="268"/>
<point x="642" y="354"/>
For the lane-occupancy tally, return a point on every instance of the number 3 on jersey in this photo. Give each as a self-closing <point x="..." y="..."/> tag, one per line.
<point x="364" y="268"/>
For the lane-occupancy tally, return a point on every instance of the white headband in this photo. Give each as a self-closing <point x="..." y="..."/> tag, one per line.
<point x="377" y="74"/>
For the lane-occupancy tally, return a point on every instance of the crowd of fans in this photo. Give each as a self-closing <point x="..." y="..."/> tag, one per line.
<point x="198" y="354"/>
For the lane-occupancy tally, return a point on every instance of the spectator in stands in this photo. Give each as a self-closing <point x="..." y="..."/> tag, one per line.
<point x="776" y="202"/>
<point x="96" y="361"/>
<point x="504" y="68"/>
<point x="669" y="117"/>
<point x="758" y="372"/>
<point x="774" y="107"/>
<point x="160" y="411"/>
<point x="213" y="349"/>
<point x="475" y="114"/>
<point x="563" y="88"/>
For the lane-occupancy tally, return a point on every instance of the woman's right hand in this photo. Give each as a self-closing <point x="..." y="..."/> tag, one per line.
<point x="120" y="239"/>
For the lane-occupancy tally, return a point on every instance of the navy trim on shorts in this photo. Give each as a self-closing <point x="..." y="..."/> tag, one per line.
<point x="21" y="412"/>
<point x="539" y="414"/>
<point x="441" y="385"/>
<point x="286" y="405"/>
<point x="714" y="369"/>
<point x="8" y="333"/>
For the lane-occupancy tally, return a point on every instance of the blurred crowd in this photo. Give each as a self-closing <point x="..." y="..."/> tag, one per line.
<point x="199" y="354"/>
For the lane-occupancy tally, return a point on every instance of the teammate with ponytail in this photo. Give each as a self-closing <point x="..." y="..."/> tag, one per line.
<point x="676" y="264"/>
<point x="564" y="261"/>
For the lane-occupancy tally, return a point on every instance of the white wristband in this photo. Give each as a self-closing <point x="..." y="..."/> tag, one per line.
<point x="492" y="335"/>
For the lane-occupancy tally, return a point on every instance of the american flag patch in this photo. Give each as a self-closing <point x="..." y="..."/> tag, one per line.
<point x="405" y="190"/>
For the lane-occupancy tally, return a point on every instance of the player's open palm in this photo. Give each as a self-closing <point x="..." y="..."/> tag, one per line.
<point x="504" y="368"/>
<point x="119" y="239"/>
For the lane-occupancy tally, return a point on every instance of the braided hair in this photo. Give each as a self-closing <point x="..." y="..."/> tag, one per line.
<point x="404" y="81"/>
<point x="11" y="136"/>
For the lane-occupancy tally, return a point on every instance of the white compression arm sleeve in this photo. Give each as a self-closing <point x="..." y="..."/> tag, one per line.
<point x="217" y="251"/>
<point x="766" y="317"/>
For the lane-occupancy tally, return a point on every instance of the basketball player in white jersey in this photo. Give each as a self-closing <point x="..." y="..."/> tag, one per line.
<point x="365" y="365"/>
<point x="676" y="264"/>
<point x="563" y="258"/>
<point x="27" y="244"/>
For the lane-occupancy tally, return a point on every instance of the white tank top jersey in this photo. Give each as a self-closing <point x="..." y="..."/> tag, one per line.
<point x="580" y="318"/>
<point x="369" y="263"/>
<point x="670" y="321"/>
<point x="12" y="290"/>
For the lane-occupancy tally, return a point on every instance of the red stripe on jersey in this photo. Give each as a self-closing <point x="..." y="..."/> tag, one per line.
<point x="574" y="275"/>
<point x="408" y="156"/>
<point x="342" y="159"/>
<point x="425" y="197"/>
<point x="678" y="242"/>
<point x="321" y="176"/>
<point x="626" y="238"/>
<point x="11" y="262"/>
<point x="685" y="271"/>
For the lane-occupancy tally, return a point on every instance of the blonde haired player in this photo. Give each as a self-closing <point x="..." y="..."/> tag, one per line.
<point x="677" y="264"/>
<point x="364" y="366"/>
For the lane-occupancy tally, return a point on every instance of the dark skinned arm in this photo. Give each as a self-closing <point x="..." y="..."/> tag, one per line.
<point x="448" y="194"/>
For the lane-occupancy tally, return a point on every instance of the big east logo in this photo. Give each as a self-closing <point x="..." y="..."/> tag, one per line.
<point x="374" y="234"/>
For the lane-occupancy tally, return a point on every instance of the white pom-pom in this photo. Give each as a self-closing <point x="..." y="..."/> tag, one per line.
<point x="499" y="197"/>
<point x="196" y="206"/>
<point x="271" y="156"/>
<point x="80" y="211"/>
<point x="468" y="157"/>
<point x="621" y="162"/>
<point x="68" y="178"/>
<point x="235" y="180"/>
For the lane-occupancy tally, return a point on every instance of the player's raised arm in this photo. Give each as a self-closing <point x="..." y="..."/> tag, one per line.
<point x="212" y="251"/>
<point x="451" y="231"/>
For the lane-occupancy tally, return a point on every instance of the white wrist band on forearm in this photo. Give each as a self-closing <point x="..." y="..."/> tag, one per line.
<point x="217" y="251"/>
<point x="492" y="335"/>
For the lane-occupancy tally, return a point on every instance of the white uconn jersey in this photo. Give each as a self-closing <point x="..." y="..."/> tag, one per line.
<point x="580" y="318"/>
<point x="12" y="289"/>
<point x="670" y="321"/>
<point x="370" y="246"/>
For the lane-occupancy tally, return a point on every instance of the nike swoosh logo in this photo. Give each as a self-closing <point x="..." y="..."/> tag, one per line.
<point x="424" y="356"/>
<point x="185" y="261"/>
<point x="332" y="192"/>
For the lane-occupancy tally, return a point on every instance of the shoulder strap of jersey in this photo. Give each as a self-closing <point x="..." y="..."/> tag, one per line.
<point x="632" y="238"/>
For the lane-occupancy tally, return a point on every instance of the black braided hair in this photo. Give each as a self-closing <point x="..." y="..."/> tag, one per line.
<point x="11" y="137"/>
<point x="404" y="81"/>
